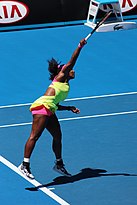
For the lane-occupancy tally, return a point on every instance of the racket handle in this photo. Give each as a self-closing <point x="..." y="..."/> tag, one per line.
<point x="88" y="36"/>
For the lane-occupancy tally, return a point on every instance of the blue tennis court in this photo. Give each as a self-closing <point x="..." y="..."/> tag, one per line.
<point x="99" y="144"/>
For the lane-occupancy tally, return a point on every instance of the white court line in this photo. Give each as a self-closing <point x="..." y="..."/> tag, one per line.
<point x="102" y="96"/>
<point x="74" y="99"/>
<point x="76" y="118"/>
<point x="16" y="125"/>
<point x="34" y="182"/>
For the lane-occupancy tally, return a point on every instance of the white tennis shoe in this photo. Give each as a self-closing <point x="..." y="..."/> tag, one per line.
<point x="60" y="168"/>
<point x="26" y="171"/>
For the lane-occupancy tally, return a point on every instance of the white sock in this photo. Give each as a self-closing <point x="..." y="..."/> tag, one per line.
<point x="26" y="160"/>
<point x="58" y="159"/>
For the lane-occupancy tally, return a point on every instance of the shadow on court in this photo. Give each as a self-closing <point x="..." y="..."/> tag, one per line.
<point x="84" y="174"/>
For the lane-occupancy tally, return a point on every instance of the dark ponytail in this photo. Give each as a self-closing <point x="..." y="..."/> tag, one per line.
<point x="53" y="68"/>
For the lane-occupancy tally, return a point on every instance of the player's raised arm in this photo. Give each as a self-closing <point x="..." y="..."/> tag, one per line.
<point x="68" y="66"/>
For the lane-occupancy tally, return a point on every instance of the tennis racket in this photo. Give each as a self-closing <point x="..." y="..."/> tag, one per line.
<point x="98" y="25"/>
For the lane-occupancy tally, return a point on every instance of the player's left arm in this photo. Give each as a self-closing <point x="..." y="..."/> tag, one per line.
<point x="69" y="108"/>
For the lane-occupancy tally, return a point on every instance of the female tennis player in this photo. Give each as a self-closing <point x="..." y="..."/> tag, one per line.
<point x="43" y="111"/>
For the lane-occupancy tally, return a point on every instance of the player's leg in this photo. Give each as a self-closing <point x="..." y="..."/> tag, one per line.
<point x="38" y="125"/>
<point x="54" y="128"/>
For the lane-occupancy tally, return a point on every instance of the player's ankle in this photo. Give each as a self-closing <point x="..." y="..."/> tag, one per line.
<point x="59" y="161"/>
<point x="26" y="164"/>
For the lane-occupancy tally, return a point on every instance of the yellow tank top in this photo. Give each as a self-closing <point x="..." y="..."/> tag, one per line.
<point x="50" y="102"/>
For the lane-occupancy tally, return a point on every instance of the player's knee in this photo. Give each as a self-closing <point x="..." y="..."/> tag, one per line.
<point x="34" y="137"/>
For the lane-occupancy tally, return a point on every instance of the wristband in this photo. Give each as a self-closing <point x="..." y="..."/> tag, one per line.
<point x="80" y="46"/>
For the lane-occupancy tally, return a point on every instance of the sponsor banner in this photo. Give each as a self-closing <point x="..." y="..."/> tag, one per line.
<point x="26" y="12"/>
<point x="128" y="7"/>
<point x="12" y="11"/>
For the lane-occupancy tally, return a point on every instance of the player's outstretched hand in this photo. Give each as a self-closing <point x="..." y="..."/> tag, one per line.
<point x="74" y="109"/>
